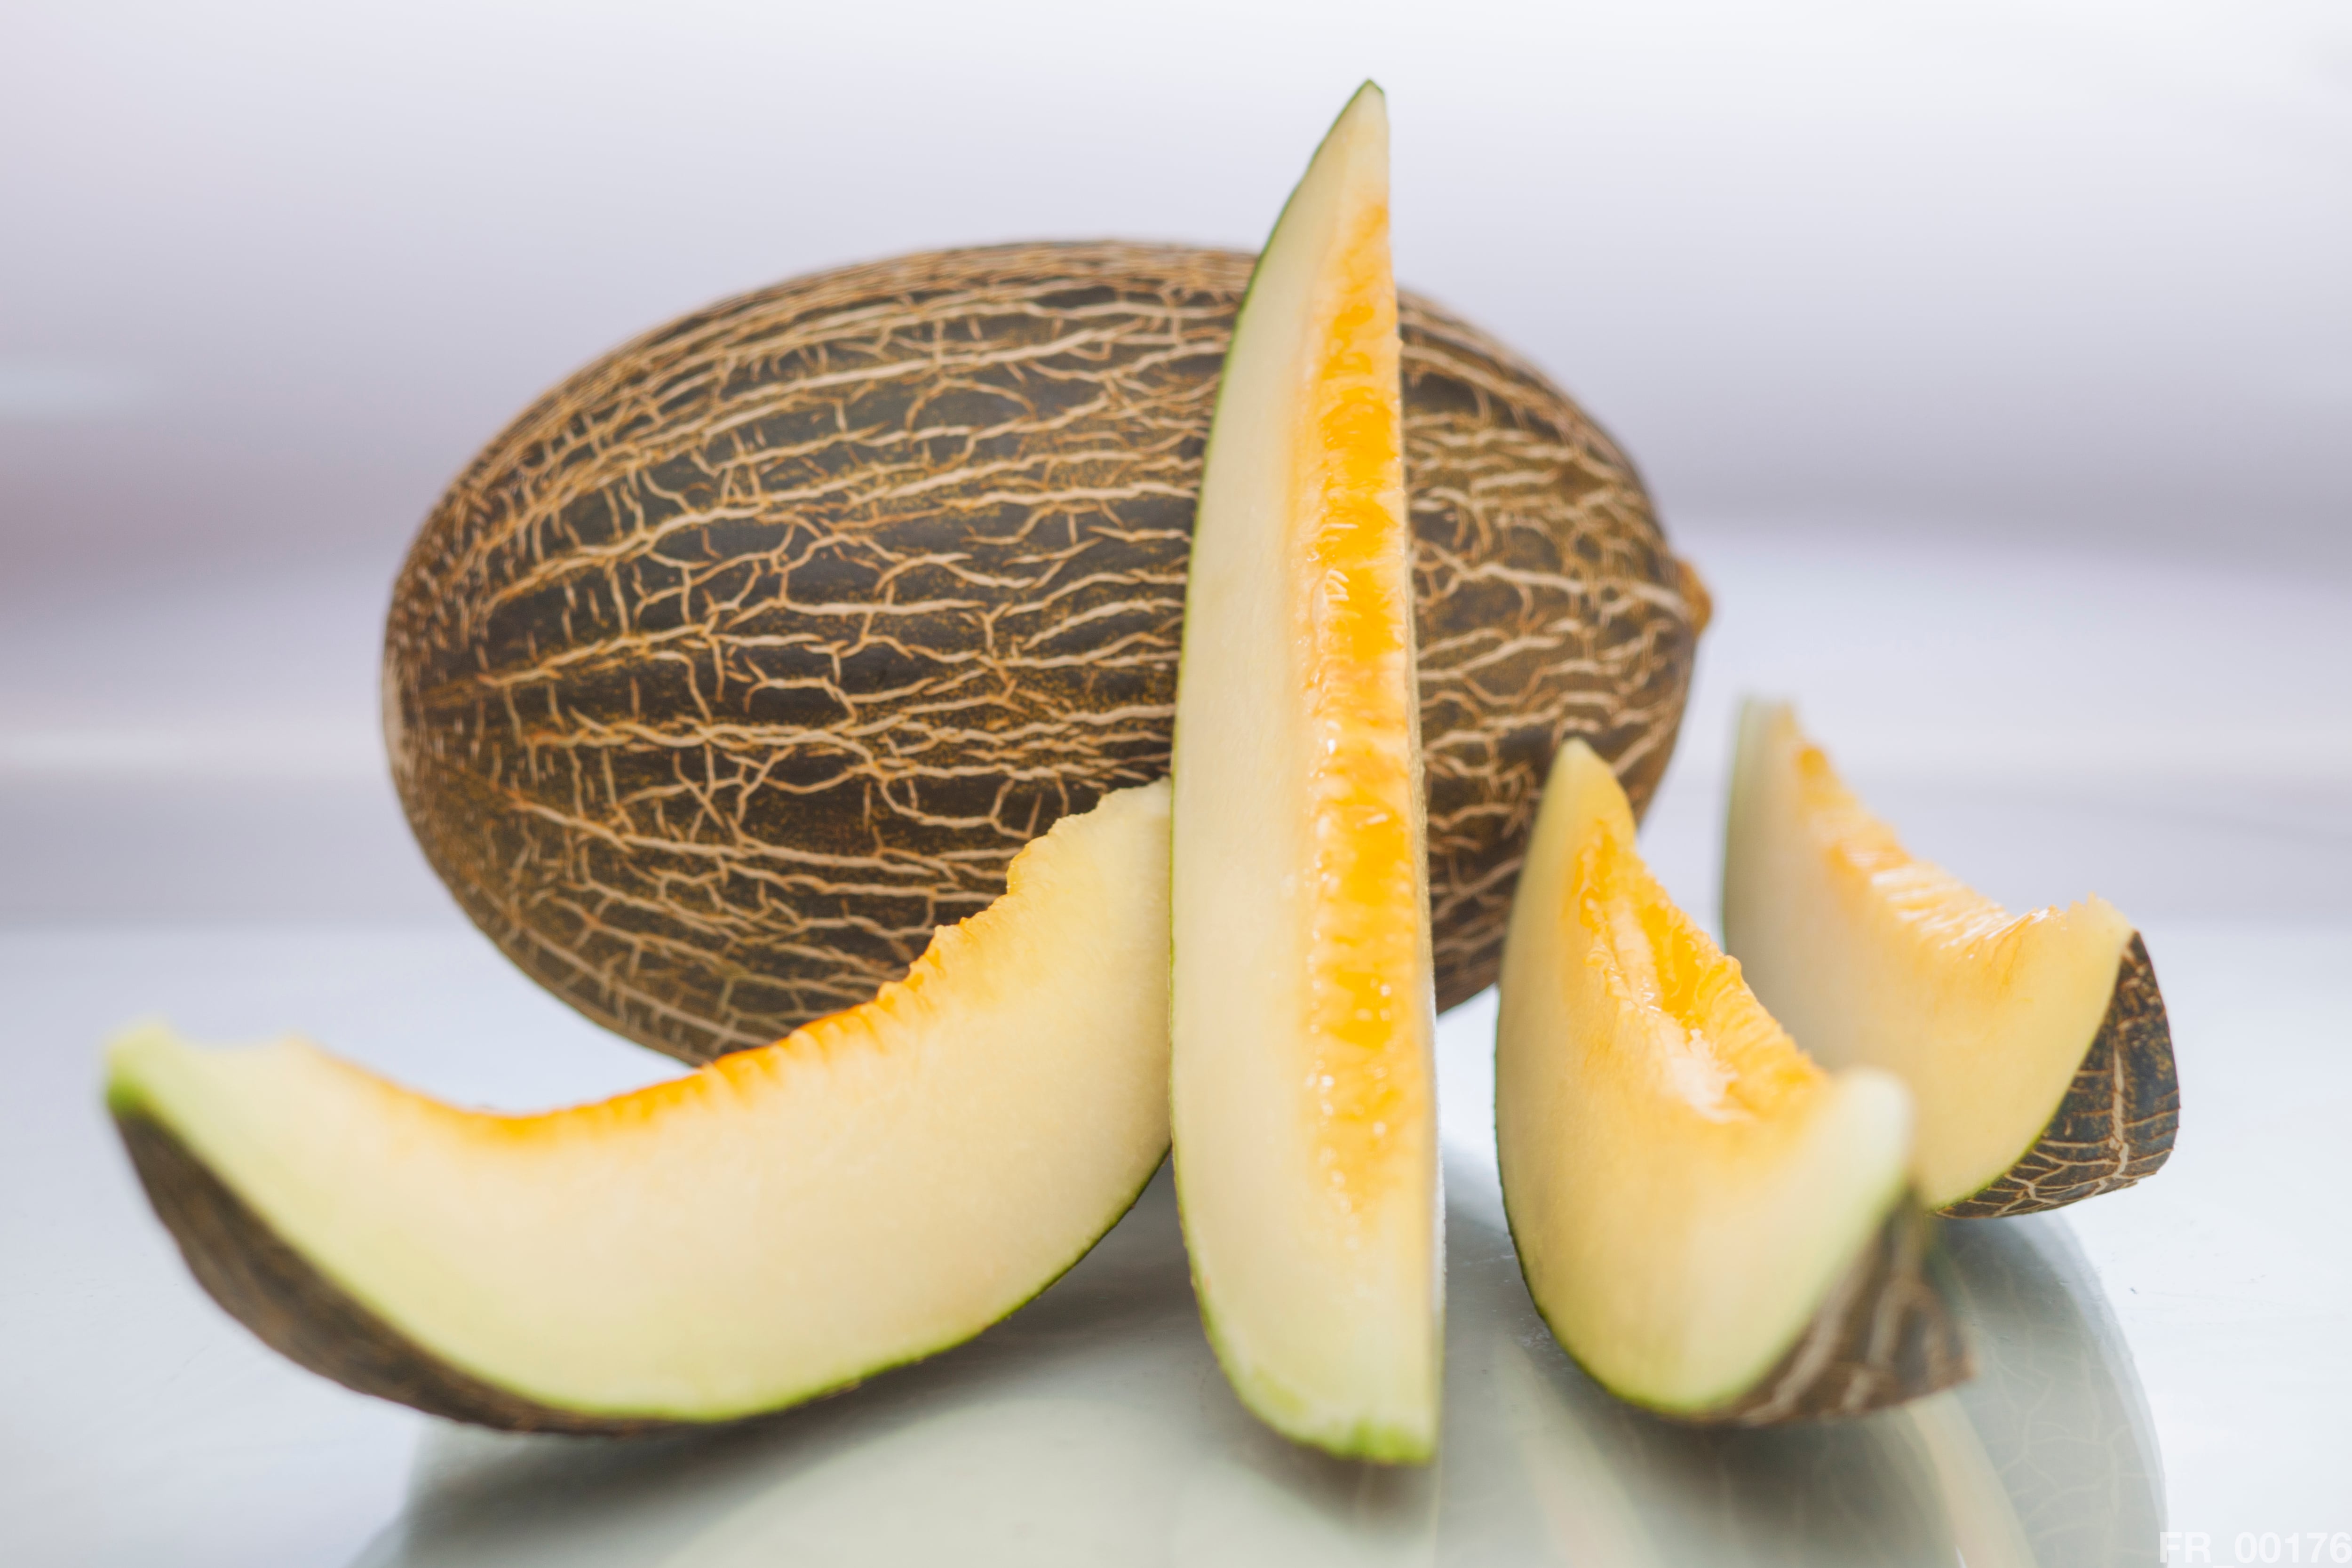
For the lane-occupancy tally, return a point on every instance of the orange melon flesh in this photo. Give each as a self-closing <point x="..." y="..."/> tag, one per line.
<point x="1303" y="1116"/>
<point x="1870" y="955"/>
<point x="1684" y="1186"/>
<point x="878" y="1185"/>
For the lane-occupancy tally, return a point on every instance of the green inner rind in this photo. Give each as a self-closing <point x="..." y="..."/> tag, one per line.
<point x="127" y="1097"/>
<point x="1293" y="1415"/>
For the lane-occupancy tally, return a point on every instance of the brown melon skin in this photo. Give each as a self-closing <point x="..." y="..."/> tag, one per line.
<point x="2116" y="1124"/>
<point x="756" y="649"/>
<point x="1885" y="1335"/>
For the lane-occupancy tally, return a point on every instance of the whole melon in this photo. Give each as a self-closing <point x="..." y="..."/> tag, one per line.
<point x="754" y="651"/>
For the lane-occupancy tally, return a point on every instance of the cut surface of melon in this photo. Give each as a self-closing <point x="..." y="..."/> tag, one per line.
<point x="876" y="1186"/>
<point x="1304" y="1110"/>
<point x="2035" y="1045"/>
<point x="1713" y="1225"/>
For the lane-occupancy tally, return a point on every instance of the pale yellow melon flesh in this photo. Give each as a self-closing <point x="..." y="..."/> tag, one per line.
<point x="1869" y="955"/>
<point x="1303" y="1116"/>
<point x="1702" y="1214"/>
<point x="876" y="1186"/>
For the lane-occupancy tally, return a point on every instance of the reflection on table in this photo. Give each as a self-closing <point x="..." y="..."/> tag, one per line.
<point x="1094" y="1427"/>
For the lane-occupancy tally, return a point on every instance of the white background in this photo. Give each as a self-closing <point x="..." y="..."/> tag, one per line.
<point x="2052" y="294"/>
<point x="274" y="271"/>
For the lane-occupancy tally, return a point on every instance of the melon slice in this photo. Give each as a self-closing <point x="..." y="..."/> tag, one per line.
<point x="2035" y="1045"/>
<point x="1713" y="1225"/>
<point x="876" y="1186"/>
<point x="1304" y="1121"/>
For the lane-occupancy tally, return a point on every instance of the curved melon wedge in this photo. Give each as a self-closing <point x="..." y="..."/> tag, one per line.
<point x="879" y="1185"/>
<point x="2035" y="1045"/>
<point x="1303" y="1019"/>
<point x="1711" y="1225"/>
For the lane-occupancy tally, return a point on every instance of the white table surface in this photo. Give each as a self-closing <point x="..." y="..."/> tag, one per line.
<point x="2177" y="1357"/>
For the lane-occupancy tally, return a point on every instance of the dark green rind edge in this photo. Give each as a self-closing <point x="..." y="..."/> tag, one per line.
<point x="1367" y="1441"/>
<point x="294" y="1308"/>
<point x="1884" y="1334"/>
<point x="2115" y="1125"/>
